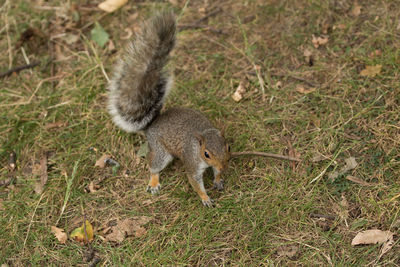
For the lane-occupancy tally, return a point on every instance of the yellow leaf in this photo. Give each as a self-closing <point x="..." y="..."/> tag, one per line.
<point x="371" y="71"/>
<point x="79" y="233"/>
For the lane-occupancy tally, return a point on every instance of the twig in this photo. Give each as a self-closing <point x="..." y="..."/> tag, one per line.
<point x="18" y="69"/>
<point x="216" y="11"/>
<point x="296" y="78"/>
<point x="200" y="26"/>
<point x="263" y="154"/>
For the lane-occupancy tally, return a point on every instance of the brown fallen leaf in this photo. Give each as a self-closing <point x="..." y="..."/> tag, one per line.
<point x="112" y="5"/>
<point x="59" y="234"/>
<point x="56" y="124"/>
<point x="101" y="162"/>
<point x="93" y="187"/>
<point x="371" y="71"/>
<point x="239" y="93"/>
<point x="376" y="53"/>
<point x="127" y="227"/>
<point x="288" y="251"/>
<point x="300" y="88"/>
<point x="350" y="164"/>
<point x="356" y="10"/>
<point x="42" y="171"/>
<point x="372" y="237"/>
<point x="308" y="57"/>
<point x="319" y="41"/>
<point x="357" y="180"/>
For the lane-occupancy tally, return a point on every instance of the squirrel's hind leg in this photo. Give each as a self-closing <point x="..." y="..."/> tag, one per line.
<point x="158" y="160"/>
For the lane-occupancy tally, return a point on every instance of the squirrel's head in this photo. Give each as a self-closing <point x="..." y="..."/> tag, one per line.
<point x="213" y="148"/>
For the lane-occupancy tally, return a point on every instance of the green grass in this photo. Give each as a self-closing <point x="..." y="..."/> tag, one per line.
<point x="267" y="204"/>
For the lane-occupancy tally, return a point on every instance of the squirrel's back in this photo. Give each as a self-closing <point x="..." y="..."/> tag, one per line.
<point x="139" y="85"/>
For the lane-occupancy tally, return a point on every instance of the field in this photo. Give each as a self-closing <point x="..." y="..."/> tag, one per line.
<point x="321" y="82"/>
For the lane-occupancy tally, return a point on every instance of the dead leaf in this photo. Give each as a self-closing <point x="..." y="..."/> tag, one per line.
<point x="278" y="84"/>
<point x="93" y="187"/>
<point x="356" y="10"/>
<point x="287" y="251"/>
<point x="376" y="53"/>
<point x="371" y="71"/>
<point x="59" y="234"/>
<point x="351" y="164"/>
<point x="372" y="237"/>
<point x="111" y="47"/>
<point x="127" y="227"/>
<point x="79" y="234"/>
<point x="56" y="124"/>
<point x="319" y="41"/>
<point x="41" y="170"/>
<point x="320" y="157"/>
<point x="101" y="162"/>
<point x="357" y="180"/>
<point x="339" y="26"/>
<point x="240" y="90"/>
<point x="70" y="38"/>
<point x="308" y="56"/>
<point x="300" y="88"/>
<point x="112" y="5"/>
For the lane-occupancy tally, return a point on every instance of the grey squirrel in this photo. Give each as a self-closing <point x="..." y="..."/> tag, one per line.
<point x="137" y="92"/>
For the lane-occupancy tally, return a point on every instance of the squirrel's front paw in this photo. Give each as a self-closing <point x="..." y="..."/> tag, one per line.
<point x="154" y="189"/>
<point x="219" y="185"/>
<point x="208" y="202"/>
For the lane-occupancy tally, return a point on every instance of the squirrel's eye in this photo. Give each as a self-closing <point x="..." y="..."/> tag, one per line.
<point x="206" y="154"/>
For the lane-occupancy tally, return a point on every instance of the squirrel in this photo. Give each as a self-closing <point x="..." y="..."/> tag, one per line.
<point x="137" y="92"/>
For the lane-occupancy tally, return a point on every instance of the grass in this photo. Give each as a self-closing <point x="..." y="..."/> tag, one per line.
<point x="267" y="204"/>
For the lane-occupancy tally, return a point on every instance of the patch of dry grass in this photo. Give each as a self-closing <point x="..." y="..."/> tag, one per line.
<point x="267" y="204"/>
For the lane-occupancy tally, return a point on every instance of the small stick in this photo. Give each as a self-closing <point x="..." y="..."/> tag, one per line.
<point x="18" y="69"/>
<point x="263" y="154"/>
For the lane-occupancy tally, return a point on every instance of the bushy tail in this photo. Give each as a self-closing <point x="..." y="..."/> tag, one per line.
<point x="139" y="85"/>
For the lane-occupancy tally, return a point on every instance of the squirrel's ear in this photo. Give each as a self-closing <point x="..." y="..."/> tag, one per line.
<point x="199" y="138"/>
